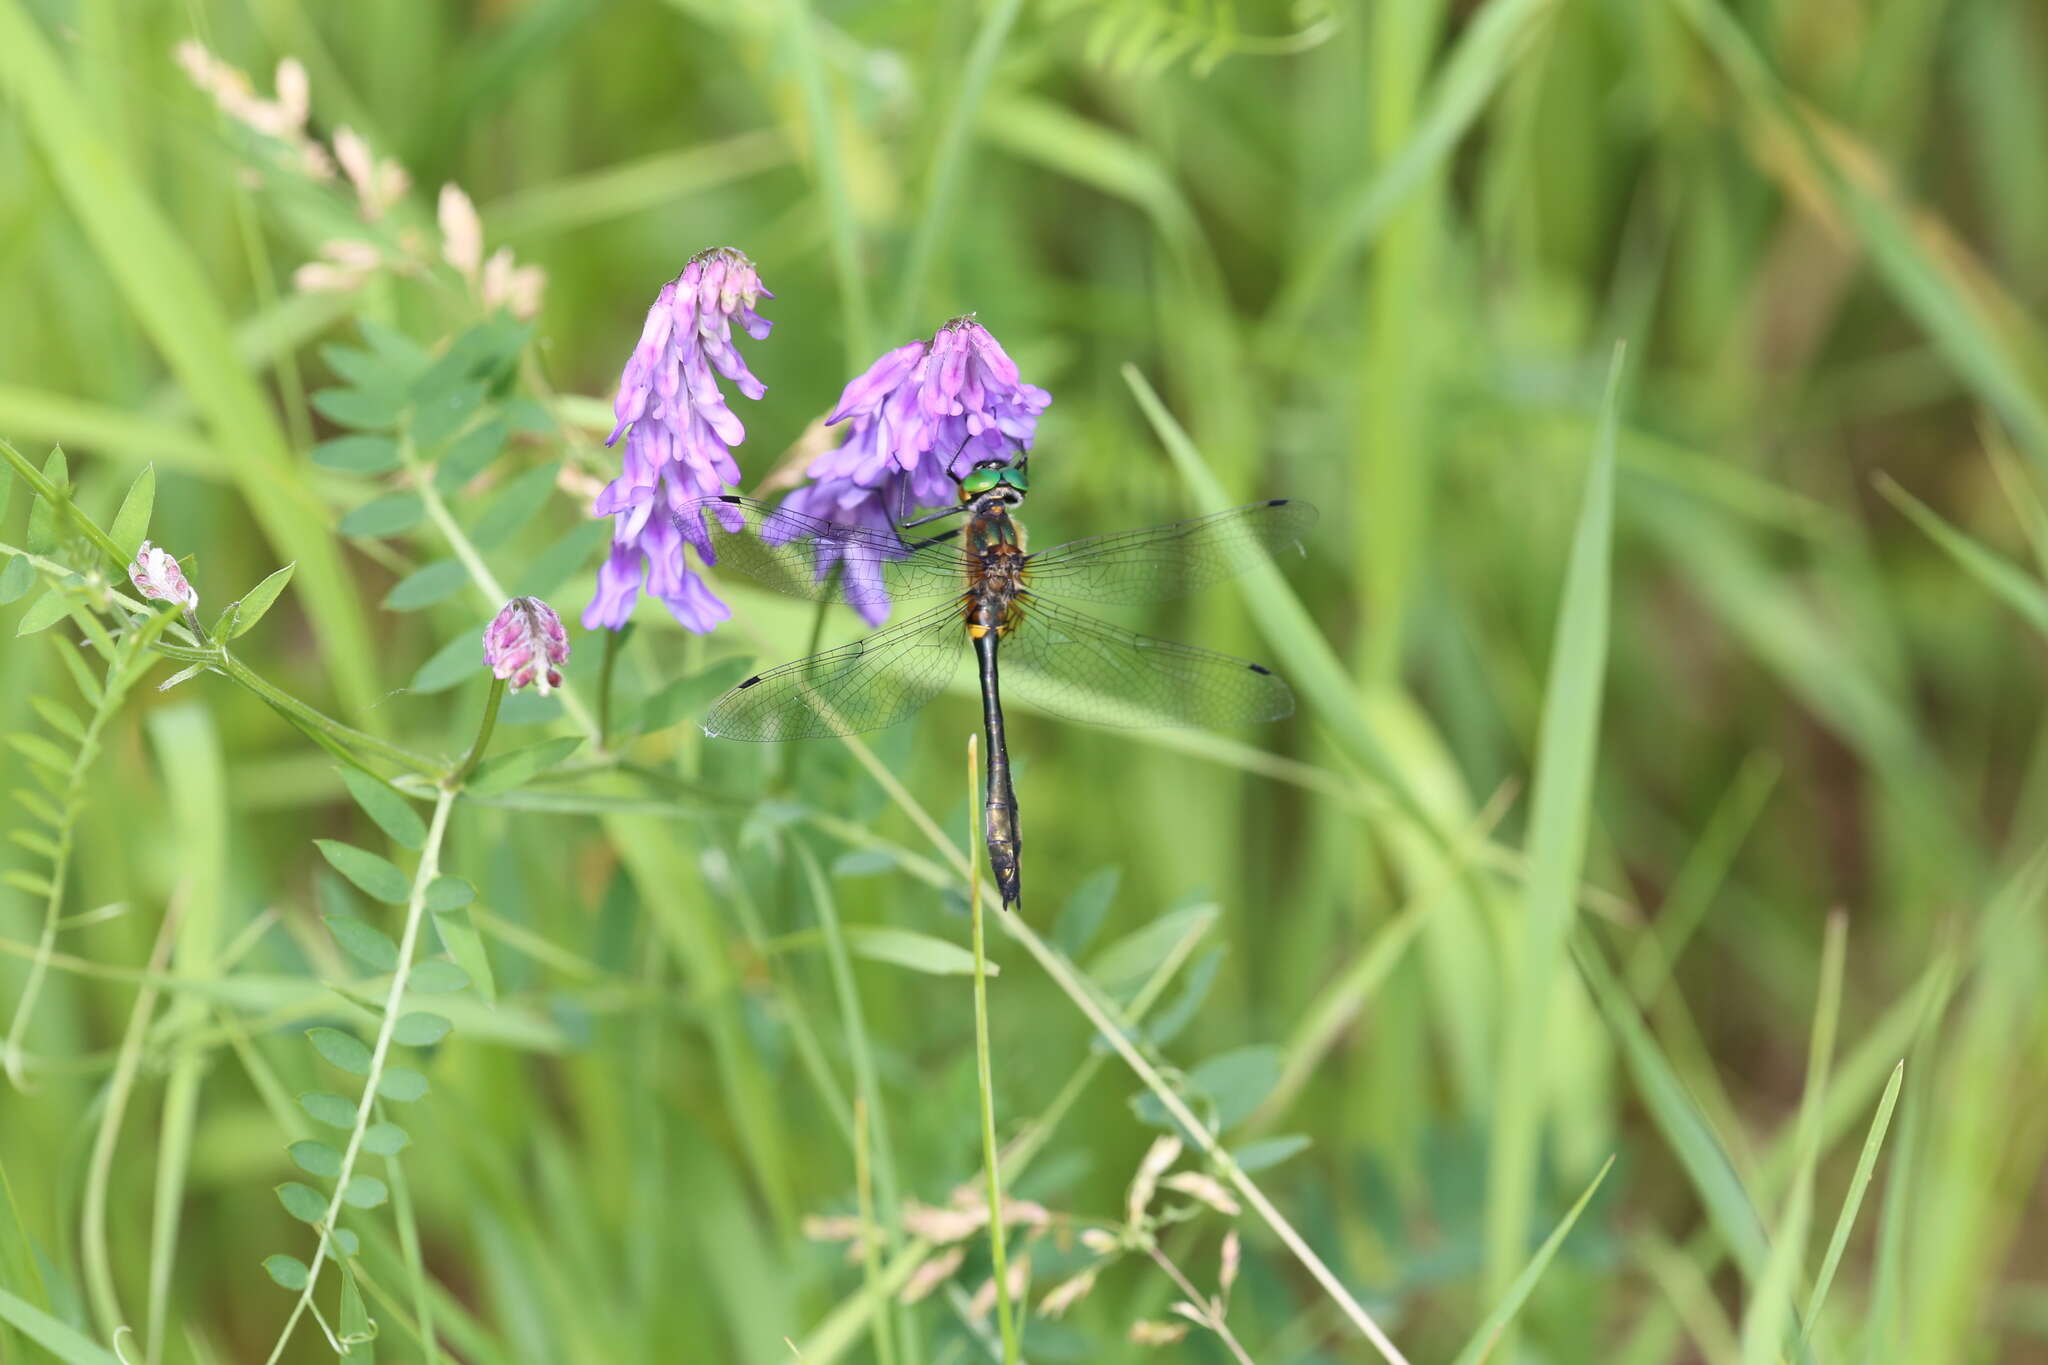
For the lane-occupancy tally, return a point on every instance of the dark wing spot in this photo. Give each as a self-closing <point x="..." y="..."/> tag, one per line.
<point x="1276" y="502"/>
<point x="757" y="677"/>
<point x="729" y="497"/>
<point x="1256" y="668"/>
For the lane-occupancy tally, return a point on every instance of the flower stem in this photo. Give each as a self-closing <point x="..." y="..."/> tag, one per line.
<point x="483" y="735"/>
<point x="408" y="943"/>
<point x="991" y="1159"/>
<point x="480" y="574"/>
<point x="305" y="716"/>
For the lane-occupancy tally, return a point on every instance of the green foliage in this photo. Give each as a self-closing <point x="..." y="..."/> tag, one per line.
<point x="1529" y="890"/>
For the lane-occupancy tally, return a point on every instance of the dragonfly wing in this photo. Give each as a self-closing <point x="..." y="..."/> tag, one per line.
<point x="1079" y="668"/>
<point x="796" y="553"/>
<point x="1165" y="562"/>
<point x="871" y="683"/>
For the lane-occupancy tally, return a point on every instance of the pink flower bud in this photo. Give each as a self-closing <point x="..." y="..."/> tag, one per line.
<point x="524" y="645"/>
<point x="156" y="575"/>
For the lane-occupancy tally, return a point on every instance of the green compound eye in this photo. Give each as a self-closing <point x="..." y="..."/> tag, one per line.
<point x="1015" y="478"/>
<point x="979" y="482"/>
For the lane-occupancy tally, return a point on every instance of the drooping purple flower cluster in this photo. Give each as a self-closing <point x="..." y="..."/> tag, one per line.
<point x="526" y="645"/>
<point x="921" y="416"/>
<point x="679" y="436"/>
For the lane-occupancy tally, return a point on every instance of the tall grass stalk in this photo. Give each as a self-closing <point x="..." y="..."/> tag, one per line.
<point x="984" y="1072"/>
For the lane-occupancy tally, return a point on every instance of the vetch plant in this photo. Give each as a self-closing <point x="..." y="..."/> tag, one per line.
<point x="679" y="436"/>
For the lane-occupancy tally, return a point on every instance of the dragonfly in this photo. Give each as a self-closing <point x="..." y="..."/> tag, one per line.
<point x="976" y="584"/>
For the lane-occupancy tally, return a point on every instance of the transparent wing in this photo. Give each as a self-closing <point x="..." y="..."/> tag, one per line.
<point x="871" y="683"/>
<point x="1079" y="668"/>
<point x="1164" y="562"/>
<point x="796" y="554"/>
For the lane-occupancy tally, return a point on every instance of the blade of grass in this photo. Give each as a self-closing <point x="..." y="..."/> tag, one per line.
<point x="1560" y="818"/>
<point x="1771" y="1308"/>
<point x="1483" y="1341"/>
<point x="1999" y="577"/>
<point x="1852" y="1202"/>
<point x="1485" y="54"/>
<point x="941" y="182"/>
<point x="991" y="1160"/>
<point x="821" y="128"/>
<point x="1926" y="285"/>
<point x="194" y="769"/>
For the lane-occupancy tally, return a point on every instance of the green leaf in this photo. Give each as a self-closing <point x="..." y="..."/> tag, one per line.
<point x="687" y="698"/>
<point x="330" y="1109"/>
<point x="1236" y="1081"/>
<point x="59" y="717"/>
<point x="401" y="1083"/>
<point x="427" y="585"/>
<point x="358" y="1333"/>
<point x="46" y="611"/>
<point x="16" y="579"/>
<point x="435" y="977"/>
<point x="362" y="409"/>
<point x="1082" y="917"/>
<point x="1133" y="957"/>
<point x="364" y="942"/>
<point x="385" y="1139"/>
<point x="470" y="454"/>
<point x="288" y="1271"/>
<point x="420" y="1029"/>
<point x="391" y="812"/>
<point x="316" y="1158"/>
<point x="1866" y="1166"/>
<point x="302" y="1202"/>
<point x="515" y="505"/>
<point x="549" y="569"/>
<point x="459" y="936"/>
<point x="375" y="877"/>
<point x="919" y="952"/>
<point x="517" y="768"/>
<point x="447" y="893"/>
<point x="358" y="455"/>
<point x="130" y="525"/>
<point x="441" y="415"/>
<point x="365" y="1192"/>
<point x="1560" y="815"/>
<point x="341" y="1050"/>
<point x="461" y="659"/>
<point x="341" y="1242"/>
<point x="1488" y="1336"/>
<point x="1268" y="1152"/>
<point x="384" y="516"/>
<point x="1999" y="577"/>
<point x="42" y="513"/>
<point x="258" y="599"/>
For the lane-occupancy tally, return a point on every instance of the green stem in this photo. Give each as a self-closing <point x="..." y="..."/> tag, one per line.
<point x="984" y="1076"/>
<point x="415" y="913"/>
<point x="940" y="190"/>
<point x="481" y="575"/>
<point x="823" y="129"/>
<point x="483" y="735"/>
<point x="291" y="706"/>
<point x="614" y="645"/>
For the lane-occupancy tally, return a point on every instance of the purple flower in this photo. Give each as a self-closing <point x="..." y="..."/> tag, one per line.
<point x="525" y="645"/>
<point x="156" y="575"/>
<point x="679" y="436"/>
<point x="921" y="416"/>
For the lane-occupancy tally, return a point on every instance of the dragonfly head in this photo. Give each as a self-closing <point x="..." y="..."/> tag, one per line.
<point x="994" y="484"/>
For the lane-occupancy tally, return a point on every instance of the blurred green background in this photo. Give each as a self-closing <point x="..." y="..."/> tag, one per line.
<point x="1374" y="256"/>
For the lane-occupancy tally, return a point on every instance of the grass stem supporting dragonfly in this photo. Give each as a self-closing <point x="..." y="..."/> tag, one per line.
<point x="1010" y="605"/>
